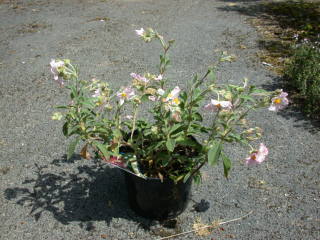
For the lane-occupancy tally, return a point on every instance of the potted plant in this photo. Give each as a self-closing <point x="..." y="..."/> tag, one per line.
<point x="163" y="153"/>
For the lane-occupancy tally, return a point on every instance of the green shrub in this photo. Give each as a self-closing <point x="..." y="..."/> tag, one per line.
<point x="303" y="75"/>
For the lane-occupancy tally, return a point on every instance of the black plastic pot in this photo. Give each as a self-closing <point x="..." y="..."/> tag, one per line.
<point x="154" y="199"/>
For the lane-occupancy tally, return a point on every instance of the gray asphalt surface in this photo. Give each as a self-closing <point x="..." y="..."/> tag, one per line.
<point x="42" y="196"/>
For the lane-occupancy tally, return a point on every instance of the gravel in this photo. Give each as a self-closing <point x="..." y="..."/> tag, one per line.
<point x="43" y="196"/>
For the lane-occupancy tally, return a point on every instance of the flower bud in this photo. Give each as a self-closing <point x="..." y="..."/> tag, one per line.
<point x="151" y="91"/>
<point x="212" y="87"/>
<point x="57" y="116"/>
<point x="82" y="126"/>
<point x="249" y="131"/>
<point x="109" y="107"/>
<point x="258" y="130"/>
<point x="137" y="100"/>
<point x="240" y="89"/>
<point x="243" y="122"/>
<point x="176" y="116"/>
<point x="154" y="129"/>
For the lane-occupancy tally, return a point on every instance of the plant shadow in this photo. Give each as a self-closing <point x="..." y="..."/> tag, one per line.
<point x="94" y="192"/>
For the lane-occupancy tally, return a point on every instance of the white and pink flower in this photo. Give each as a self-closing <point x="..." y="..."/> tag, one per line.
<point x="159" y="77"/>
<point x="125" y="95"/>
<point x="140" y="32"/>
<point x="139" y="77"/>
<point x="257" y="157"/>
<point x="97" y="93"/>
<point x="160" y="91"/>
<point x="173" y="96"/>
<point x="279" y="102"/>
<point x="55" y="67"/>
<point x="216" y="105"/>
<point x="152" y="98"/>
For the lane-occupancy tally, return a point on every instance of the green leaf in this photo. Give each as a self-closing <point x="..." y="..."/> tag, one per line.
<point x="257" y="90"/>
<point x="226" y="164"/>
<point x="145" y="98"/>
<point x="197" y="179"/>
<point x="212" y="76"/>
<point x="197" y="117"/>
<point x="65" y="129"/>
<point x="102" y="148"/>
<point x="61" y="107"/>
<point x="164" y="157"/>
<point x="134" y="165"/>
<point x="171" y="143"/>
<point x="72" y="147"/>
<point x="214" y="153"/>
<point x="116" y="133"/>
<point x="247" y="98"/>
<point x="196" y="93"/>
<point x="176" y="128"/>
<point x="235" y="136"/>
<point x="73" y="130"/>
<point x="184" y="96"/>
<point x="195" y="78"/>
<point x="186" y="177"/>
<point x="189" y="142"/>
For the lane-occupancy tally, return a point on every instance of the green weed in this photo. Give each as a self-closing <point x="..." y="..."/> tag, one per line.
<point x="303" y="74"/>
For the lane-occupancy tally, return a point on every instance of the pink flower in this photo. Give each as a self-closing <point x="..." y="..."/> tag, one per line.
<point x="118" y="161"/>
<point x="125" y="94"/>
<point x="172" y="100"/>
<point x="55" y="65"/>
<point x="139" y="77"/>
<point x="216" y="105"/>
<point x="97" y="93"/>
<point x="159" y="78"/>
<point x="259" y="156"/>
<point x="140" y="32"/>
<point x="279" y="102"/>
<point x="152" y="98"/>
<point x="173" y="95"/>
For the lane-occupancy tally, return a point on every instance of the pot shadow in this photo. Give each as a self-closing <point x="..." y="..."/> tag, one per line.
<point x="91" y="193"/>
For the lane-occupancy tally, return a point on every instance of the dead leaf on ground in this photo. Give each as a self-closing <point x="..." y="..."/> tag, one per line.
<point x="101" y="19"/>
<point x="4" y="170"/>
<point x="104" y="236"/>
<point x="202" y="229"/>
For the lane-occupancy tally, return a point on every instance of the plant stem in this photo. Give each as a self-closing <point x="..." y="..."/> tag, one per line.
<point x="213" y="124"/>
<point x="201" y="165"/>
<point x="134" y="121"/>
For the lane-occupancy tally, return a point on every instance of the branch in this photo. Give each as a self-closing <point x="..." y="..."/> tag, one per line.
<point x="210" y="226"/>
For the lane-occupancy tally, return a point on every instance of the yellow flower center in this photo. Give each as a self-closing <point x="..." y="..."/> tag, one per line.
<point x="123" y="95"/>
<point x="277" y="101"/>
<point x="176" y="101"/>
